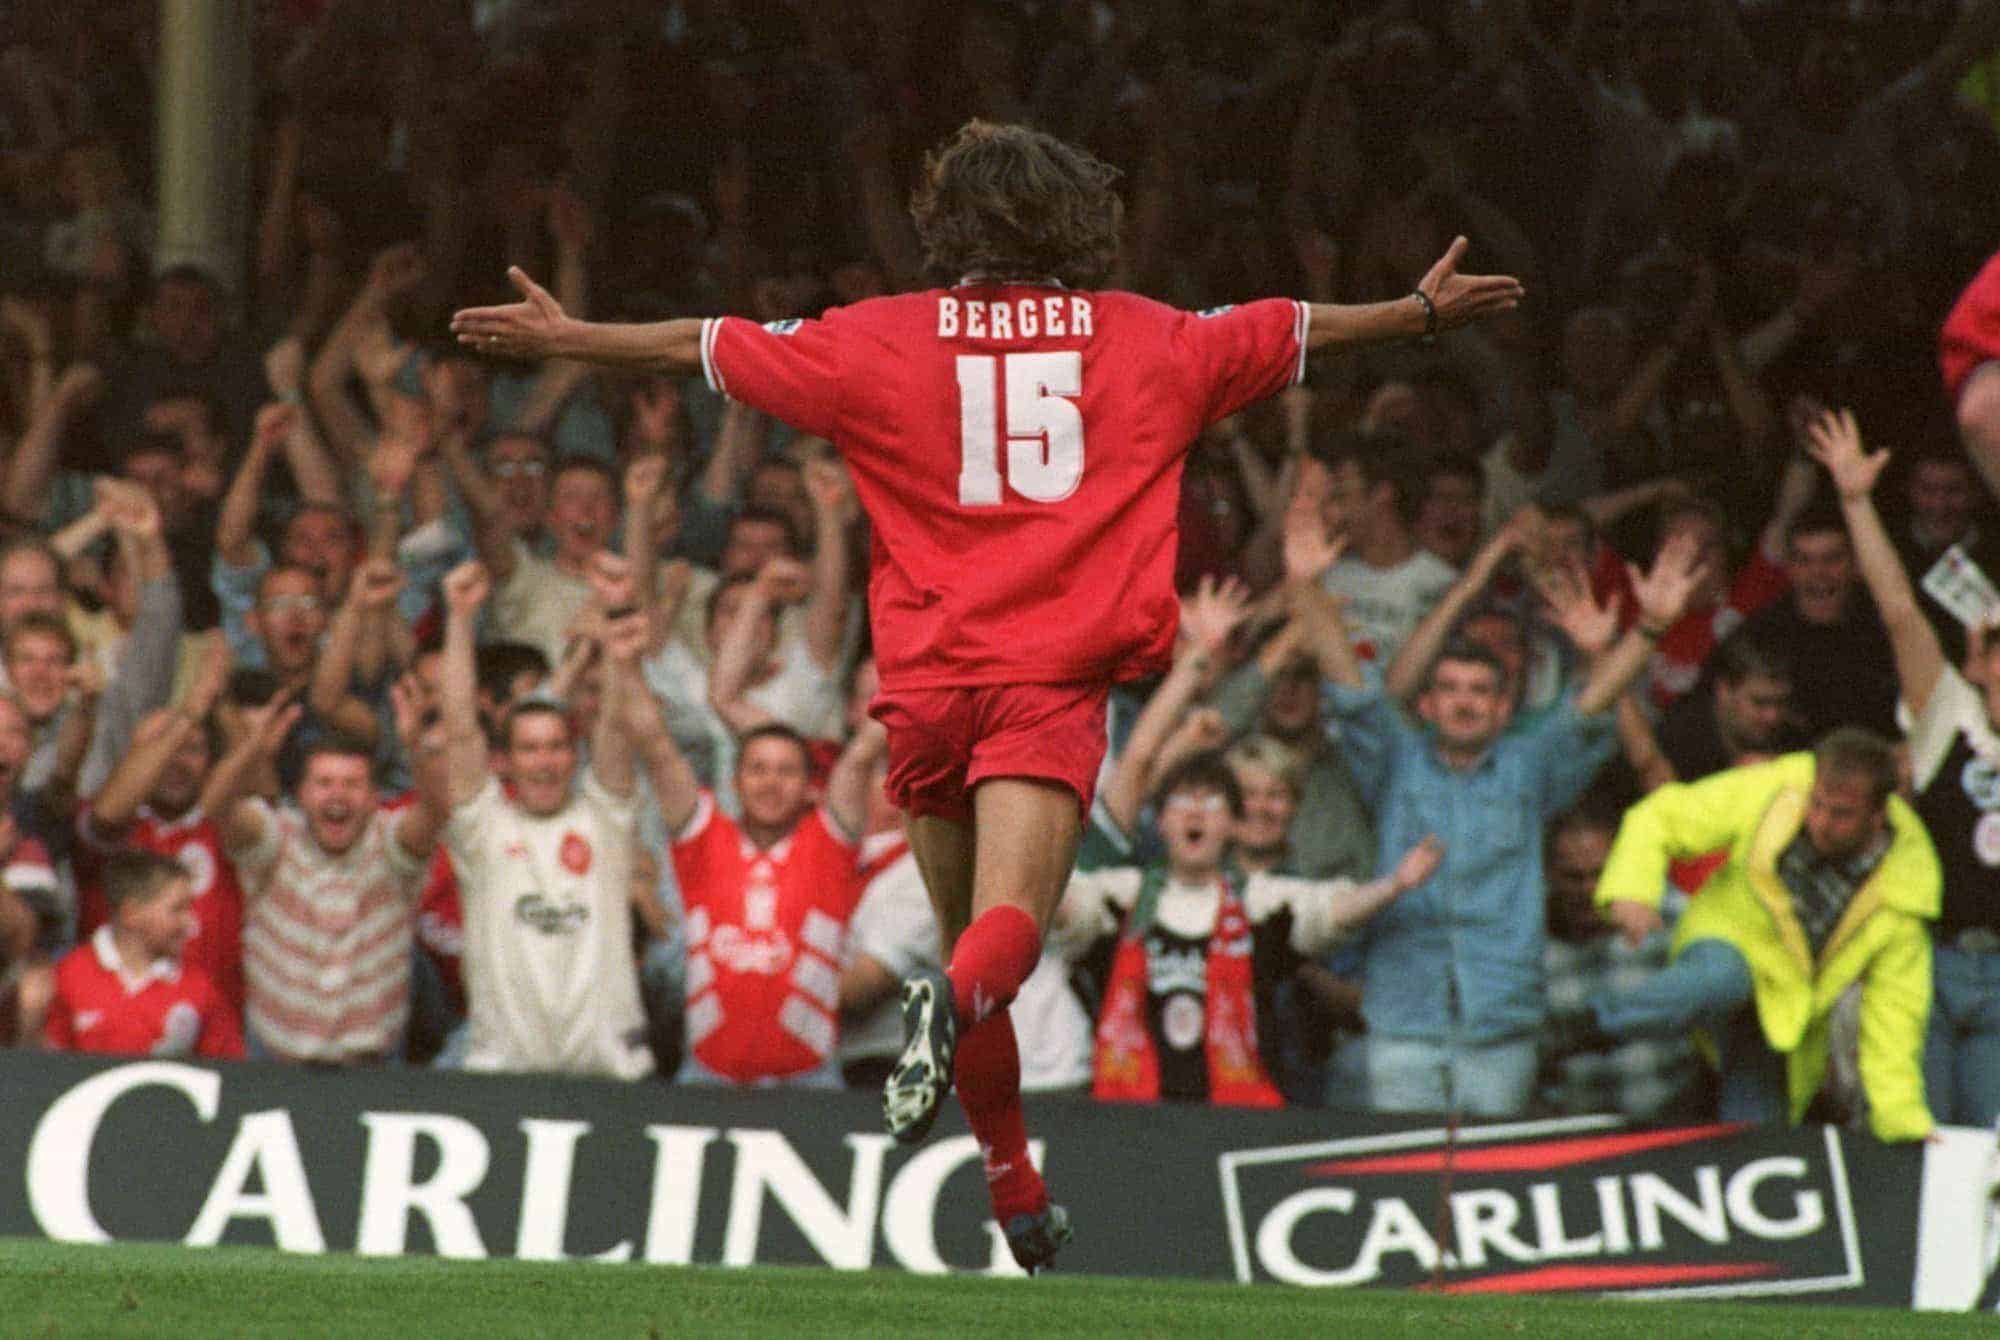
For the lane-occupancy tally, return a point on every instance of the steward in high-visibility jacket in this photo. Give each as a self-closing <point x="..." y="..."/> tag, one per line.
<point x="1878" y="939"/>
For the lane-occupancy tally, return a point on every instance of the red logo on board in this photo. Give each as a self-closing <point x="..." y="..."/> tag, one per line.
<point x="574" y="853"/>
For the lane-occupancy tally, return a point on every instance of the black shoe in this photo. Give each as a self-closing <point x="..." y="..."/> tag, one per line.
<point x="918" y="1085"/>
<point x="1036" y="1238"/>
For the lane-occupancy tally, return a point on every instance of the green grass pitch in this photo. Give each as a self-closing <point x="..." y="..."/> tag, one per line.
<point x="50" y="1292"/>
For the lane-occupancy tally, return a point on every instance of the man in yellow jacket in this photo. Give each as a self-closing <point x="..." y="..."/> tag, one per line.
<point x="1829" y="882"/>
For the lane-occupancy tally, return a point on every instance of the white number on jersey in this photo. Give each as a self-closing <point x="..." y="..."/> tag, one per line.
<point x="1044" y="428"/>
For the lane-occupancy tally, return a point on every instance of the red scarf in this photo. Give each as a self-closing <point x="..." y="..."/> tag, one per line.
<point x="1126" y="1068"/>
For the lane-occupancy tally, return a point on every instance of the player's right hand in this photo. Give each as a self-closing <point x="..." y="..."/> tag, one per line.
<point x="526" y="329"/>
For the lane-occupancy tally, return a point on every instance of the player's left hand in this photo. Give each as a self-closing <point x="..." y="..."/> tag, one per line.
<point x="1463" y="299"/>
<point x="527" y="329"/>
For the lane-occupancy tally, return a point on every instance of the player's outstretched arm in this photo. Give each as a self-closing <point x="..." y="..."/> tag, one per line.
<point x="1444" y="300"/>
<point x="537" y="328"/>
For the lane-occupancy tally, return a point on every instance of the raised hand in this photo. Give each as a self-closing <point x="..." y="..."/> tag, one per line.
<point x="784" y="580"/>
<point x="394" y="460"/>
<point x="624" y="638"/>
<point x="270" y="724"/>
<point x="643" y="478"/>
<point x="79" y="386"/>
<point x="211" y="677"/>
<point x="273" y="424"/>
<point x="655" y="408"/>
<point x="409" y="705"/>
<point x="612" y="581"/>
<point x="1463" y="299"/>
<point x="1311" y="547"/>
<point x="1664" y="592"/>
<point x="1419" y="863"/>
<point x="1568" y="604"/>
<point x="1834" y="440"/>
<point x="529" y="329"/>
<point x="131" y="509"/>
<point x="85" y="680"/>
<point x="285" y="365"/>
<point x="1206" y="728"/>
<point x="831" y="491"/>
<point x="376" y="584"/>
<point x="1214" y="611"/>
<point x="466" y="588"/>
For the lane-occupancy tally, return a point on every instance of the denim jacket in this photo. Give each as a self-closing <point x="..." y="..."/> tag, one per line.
<point x="1460" y="959"/>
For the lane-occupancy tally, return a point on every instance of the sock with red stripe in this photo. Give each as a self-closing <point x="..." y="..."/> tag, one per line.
<point x="989" y="1088"/>
<point x="994" y="956"/>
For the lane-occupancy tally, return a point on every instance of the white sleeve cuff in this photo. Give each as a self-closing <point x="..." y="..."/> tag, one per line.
<point x="710" y="328"/>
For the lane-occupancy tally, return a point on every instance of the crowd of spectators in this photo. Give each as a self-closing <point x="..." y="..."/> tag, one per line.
<point x="1540" y="695"/>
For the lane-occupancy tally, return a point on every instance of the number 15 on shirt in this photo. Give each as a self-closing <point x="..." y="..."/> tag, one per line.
<point x="1042" y="426"/>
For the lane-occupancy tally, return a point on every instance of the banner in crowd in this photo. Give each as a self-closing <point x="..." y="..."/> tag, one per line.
<point x="390" y="1162"/>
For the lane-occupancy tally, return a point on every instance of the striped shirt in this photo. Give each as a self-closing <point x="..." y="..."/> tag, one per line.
<point x="326" y="939"/>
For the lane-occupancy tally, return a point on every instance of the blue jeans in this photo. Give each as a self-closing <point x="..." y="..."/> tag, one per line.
<point x="1708" y="985"/>
<point x="1493" y="1079"/>
<point x="1962" y="1050"/>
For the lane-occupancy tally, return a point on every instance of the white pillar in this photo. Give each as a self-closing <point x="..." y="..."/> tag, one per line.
<point x="203" y="124"/>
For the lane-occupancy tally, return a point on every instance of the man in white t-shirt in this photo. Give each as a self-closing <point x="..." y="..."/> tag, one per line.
<point x="545" y="864"/>
<point x="1375" y="488"/>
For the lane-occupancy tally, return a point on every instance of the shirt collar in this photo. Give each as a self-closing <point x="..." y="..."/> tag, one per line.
<point x="106" y="948"/>
<point x="989" y="281"/>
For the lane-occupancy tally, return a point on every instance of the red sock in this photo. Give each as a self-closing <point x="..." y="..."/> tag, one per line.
<point x="994" y="956"/>
<point x="989" y="1088"/>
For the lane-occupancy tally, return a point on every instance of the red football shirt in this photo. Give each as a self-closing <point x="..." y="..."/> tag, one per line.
<point x="1018" y="450"/>
<point x="169" y="1010"/>
<point x="1971" y="333"/>
<point x="196" y="842"/>
<point x="765" y="929"/>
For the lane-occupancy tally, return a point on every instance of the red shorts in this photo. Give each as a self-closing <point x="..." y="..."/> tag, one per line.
<point x="943" y="742"/>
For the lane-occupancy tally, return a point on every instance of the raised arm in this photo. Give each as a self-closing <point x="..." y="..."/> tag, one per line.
<point x="465" y="590"/>
<point x="537" y="328"/>
<point x="394" y="271"/>
<point x="372" y="588"/>
<point x="732" y="454"/>
<point x="1208" y="617"/>
<point x="1444" y="300"/>
<point x="847" y="786"/>
<point x="418" y="827"/>
<point x="624" y="642"/>
<point x="253" y="756"/>
<point x="236" y="527"/>
<point x="144" y="677"/>
<point x="827" y="606"/>
<point x="1835" y="442"/>
<point x="1406" y="671"/>
<point x="639" y="720"/>
<point x="34" y="462"/>
<point x="779" y="582"/>
<point x="313" y="470"/>
<point x="1662" y="595"/>
<point x="492" y="533"/>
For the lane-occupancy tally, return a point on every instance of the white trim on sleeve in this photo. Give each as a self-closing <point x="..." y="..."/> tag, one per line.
<point x="1301" y="326"/>
<point x="710" y="327"/>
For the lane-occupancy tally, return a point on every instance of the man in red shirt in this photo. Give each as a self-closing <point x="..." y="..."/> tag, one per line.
<point x="152" y="801"/>
<point x="1017" y="440"/>
<point x="767" y="900"/>
<point x="126" y="991"/>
